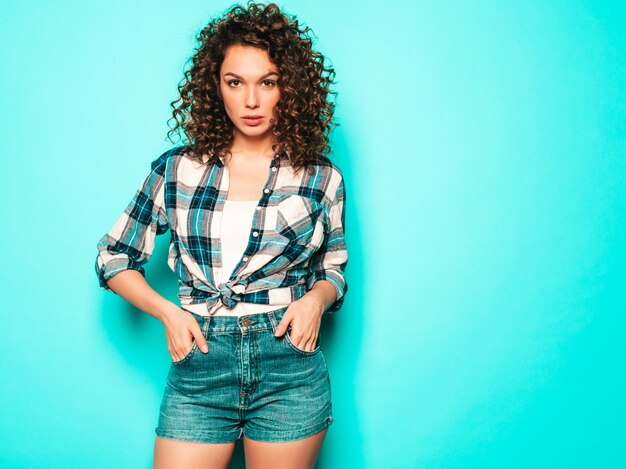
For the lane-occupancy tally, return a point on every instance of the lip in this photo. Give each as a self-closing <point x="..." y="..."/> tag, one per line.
<point x="252" y="120"/>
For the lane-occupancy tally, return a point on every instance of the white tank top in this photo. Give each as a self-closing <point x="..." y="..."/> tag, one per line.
<point x="236" y="222"/>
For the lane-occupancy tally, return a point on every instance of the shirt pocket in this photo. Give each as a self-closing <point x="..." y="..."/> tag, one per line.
<point x="299" y="220"/>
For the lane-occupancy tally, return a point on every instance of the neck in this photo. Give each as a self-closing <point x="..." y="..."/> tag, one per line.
<point x="255" y="147"/>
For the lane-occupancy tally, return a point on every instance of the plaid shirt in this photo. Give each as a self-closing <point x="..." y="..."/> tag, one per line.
<point x="296" y="238"/>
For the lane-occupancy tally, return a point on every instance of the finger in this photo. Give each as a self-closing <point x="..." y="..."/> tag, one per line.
<point x="301" y="344"/>
<point x="185" y="351"/>
<point x="282" y="325"/>
<point x="299" y="341"/>
<point x="200" y="339"/>
<point x="310" y="345"/>
<point x="305" y="344"/>
<point x="180" y="352"/>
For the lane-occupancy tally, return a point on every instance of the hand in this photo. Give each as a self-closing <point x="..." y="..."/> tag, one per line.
<point x="305" y="317"/>
<point x="181" y="328"/>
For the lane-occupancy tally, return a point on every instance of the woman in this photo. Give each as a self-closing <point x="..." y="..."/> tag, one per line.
<point x="256" y="214"/>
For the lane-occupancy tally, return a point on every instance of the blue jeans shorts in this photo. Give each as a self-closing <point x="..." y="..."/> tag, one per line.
<point x="249" y="383"/>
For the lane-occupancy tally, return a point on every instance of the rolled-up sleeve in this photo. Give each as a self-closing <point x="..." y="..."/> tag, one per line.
<point x="130" y="242"/>
<point x="329" y="262"/>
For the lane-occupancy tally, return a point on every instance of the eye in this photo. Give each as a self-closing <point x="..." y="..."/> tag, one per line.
<point x="230" y="82"/>
<point x="271" y="83"/>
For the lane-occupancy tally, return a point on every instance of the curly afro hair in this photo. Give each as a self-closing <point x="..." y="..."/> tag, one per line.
<point x="304" y="115"/>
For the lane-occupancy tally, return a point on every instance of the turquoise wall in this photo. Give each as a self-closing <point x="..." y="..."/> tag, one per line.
<point x="483" y="146"/>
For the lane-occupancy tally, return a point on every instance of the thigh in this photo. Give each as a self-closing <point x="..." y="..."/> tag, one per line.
<point x="174" y="454"/>
<point x="292" y="399"/>
<point x="201" y="398"/>
<point x="300" y="454"/>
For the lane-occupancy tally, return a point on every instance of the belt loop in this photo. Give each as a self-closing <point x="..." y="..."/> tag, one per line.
<point x="270" y="314"/>
<point x="205" y="328"/>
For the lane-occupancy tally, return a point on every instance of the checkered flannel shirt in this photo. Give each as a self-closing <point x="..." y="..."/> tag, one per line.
<point x="296" y="237"/>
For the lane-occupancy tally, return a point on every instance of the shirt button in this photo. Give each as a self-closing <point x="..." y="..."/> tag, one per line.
<point x="266" y="191"/>
<point x="258" y="207"/>
<point x="245" y="259"/>
<point x="274" y="168"/>
<point x="255" y="234"/>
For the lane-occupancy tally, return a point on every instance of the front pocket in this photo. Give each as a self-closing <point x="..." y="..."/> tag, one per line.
<point x="194" y="347"/>
<point x="293" y="346"/>
<point x="296" y="218"/>
<point x="204" y="327"/>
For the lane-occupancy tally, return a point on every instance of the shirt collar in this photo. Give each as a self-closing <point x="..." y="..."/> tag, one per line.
<point x="281" y="159"/>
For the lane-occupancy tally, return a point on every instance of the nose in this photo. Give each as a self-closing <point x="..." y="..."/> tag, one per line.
<point x="252" y="99"/>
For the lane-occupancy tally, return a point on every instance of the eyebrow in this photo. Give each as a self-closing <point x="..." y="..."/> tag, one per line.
<point x="241" y="78"/>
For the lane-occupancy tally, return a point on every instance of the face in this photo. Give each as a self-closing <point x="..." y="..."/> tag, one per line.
<point x="248" y="83"/>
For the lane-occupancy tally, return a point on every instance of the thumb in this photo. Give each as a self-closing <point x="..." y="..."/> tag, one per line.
<point x="199" y="338"/>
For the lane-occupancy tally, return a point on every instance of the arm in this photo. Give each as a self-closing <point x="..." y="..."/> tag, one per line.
<point x="323" y="294"/>
<point x="133" y="287"/>
<point x="327" y="282"/>
<point x="180" y="327"/>
<point x="128" y="246"/>
<point x="130" y="242"/>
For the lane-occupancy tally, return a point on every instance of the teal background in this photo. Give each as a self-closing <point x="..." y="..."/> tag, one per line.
<point x="483" y="146"/>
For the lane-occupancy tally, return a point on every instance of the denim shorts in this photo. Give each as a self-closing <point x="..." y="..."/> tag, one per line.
<point x="249" y="383"/>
